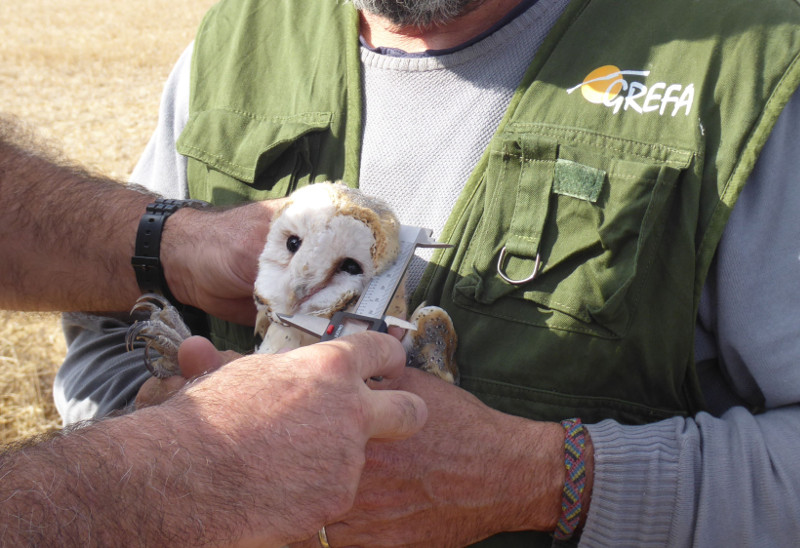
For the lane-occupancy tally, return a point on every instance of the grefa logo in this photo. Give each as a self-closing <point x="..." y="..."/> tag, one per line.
<point x="617" y="89"/>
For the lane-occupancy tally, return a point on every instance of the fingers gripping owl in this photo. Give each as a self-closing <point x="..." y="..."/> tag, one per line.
<point x="323" y="248"/>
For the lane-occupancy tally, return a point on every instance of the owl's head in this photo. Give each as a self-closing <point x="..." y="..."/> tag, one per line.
<point x="322" y="250"/>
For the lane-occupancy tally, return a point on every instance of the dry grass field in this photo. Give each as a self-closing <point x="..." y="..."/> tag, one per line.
<point x="87" y="75"/>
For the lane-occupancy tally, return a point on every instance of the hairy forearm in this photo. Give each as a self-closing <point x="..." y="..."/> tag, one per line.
<point x="532" y="467"/>
<point x="133" y="480"/>
<point x="531" y="471"/>
<point x="67" y="235"/>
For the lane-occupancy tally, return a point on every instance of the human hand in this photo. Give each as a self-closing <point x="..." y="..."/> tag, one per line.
<point x="196" y="356"/>
<point x="210" y="257"/>
<point x="261" y="452"/>
<point x="287" y="432"/>
<point x="470" y="473"/>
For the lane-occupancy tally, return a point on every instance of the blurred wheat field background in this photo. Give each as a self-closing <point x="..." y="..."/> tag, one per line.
<point x="85" y="75"/>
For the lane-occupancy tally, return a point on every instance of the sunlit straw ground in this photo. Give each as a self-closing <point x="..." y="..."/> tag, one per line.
<point x="87" y="75"/>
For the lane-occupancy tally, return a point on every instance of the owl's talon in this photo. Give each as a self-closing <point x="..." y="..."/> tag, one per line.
<point x="156" y="371"/>
<point x="151" y="302"/>
<point x="133" y="335"/>
<point x="163" y="332"/>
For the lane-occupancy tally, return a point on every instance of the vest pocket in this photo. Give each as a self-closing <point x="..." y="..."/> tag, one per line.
<point x="251" y="157"/>
<point x="567" y="230"/>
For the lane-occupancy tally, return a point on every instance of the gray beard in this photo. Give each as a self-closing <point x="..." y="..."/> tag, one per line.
<point x="417" y="13"/>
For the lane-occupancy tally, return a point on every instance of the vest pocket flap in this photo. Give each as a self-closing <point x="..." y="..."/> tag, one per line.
<point x="596" y="215"/>
<point x="242" y="145"/>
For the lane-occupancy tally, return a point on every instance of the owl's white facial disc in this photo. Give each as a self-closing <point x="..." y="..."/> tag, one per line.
<point x="316" y="261"/>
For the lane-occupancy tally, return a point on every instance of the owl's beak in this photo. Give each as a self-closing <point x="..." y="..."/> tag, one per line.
<point x="301" y="292"/>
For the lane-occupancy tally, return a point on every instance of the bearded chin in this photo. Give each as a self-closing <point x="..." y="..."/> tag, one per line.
<point x="417" y="13"/>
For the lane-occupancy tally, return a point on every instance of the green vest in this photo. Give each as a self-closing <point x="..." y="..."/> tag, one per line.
<point x="610" y="178"/>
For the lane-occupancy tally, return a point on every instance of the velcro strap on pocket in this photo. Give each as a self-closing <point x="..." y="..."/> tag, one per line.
<point x="577" y="180"/>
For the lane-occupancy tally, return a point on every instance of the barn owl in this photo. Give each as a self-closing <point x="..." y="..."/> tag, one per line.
<point x="324" y="246"/>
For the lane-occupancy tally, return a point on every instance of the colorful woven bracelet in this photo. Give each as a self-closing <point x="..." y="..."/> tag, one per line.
<point x="576" y="479"/>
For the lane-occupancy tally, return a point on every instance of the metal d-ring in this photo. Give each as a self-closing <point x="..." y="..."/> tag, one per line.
<point x="530" y="278"/>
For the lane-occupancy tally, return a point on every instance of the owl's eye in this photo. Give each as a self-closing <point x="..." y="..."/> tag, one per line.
<point x="293" y="243"/>
<point x="351" y="267"/>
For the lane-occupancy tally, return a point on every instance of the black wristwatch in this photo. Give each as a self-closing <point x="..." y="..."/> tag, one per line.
<point x="146" y="259"/>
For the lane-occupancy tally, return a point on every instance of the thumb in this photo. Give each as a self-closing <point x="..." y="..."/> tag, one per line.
<point x="394" y="414"/>
<point x="197" y="356"/>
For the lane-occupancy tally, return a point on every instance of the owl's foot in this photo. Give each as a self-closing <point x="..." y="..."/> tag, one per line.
<point x="163" y="332"/>
<point x="432" y="347"/>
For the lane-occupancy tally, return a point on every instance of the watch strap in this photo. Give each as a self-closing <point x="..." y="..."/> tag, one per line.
<point x="146" y="260"/>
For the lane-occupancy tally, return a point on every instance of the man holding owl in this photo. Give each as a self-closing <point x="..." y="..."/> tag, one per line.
<point x="617" y="259"/>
